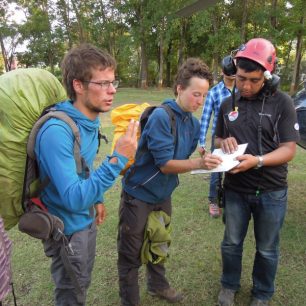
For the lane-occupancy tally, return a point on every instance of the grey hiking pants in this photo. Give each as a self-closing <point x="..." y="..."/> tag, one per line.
<point x="84" y="247"/>
<point x="133" y="215"/>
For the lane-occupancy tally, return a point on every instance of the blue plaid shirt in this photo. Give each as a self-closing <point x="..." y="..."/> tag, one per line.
<point x="212" y="104"/>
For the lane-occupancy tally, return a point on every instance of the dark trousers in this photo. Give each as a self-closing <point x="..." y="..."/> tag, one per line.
<point x="133" y="215"/>
<point x="82" y="260"/>
<point x="214" y="179"/>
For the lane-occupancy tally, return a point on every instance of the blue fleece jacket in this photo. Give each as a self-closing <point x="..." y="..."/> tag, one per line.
<point x="69" y="196"/>
<point x="144" y="180"/>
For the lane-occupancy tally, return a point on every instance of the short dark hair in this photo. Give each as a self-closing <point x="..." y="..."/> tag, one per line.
<point x="248" y="65"/>
<point x="79" y="62"/>
<point x="192" y="67"/>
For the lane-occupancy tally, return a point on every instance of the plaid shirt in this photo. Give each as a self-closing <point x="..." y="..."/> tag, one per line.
<point x="212" y="104"/>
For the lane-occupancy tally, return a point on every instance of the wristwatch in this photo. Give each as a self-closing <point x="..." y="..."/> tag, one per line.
<point x="260" y="162"/>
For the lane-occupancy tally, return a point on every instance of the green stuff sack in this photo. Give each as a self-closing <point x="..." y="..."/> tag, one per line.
<point x="24" y="93"/>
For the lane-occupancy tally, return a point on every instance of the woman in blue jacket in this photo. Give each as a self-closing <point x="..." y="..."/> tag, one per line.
<point x="149" y="183"/>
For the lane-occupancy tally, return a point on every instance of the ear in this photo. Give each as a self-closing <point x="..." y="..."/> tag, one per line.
<point x="179" y="88"/>
<point x="78" y="86"/>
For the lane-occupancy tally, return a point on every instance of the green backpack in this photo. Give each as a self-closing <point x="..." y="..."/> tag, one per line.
<point x="24" y="94"/>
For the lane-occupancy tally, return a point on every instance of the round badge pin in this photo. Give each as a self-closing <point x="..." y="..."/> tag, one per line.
<point x="232" y="116"/>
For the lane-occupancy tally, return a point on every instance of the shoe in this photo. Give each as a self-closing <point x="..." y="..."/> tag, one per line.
<point x="214" y="210"/>
<point x="169" y="294"/>
<point x="257" y="302"/>
<point x="226" y="297"/>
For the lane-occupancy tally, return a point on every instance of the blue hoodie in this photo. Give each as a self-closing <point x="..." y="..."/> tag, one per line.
<point x="144" y="180"/>
<point x="69" y="196"/>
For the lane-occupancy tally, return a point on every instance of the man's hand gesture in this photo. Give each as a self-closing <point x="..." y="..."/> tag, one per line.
<point x="126" y="145"/>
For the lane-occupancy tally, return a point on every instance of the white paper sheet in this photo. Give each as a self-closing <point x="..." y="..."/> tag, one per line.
<point x="228" y="163"/>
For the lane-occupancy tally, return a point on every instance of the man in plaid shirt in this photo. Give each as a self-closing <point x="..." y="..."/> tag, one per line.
<point x="215" y="96"/>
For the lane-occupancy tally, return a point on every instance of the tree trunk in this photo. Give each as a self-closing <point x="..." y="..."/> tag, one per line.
<point x="79" y="21"/>
<point x="182" y="46"/>
<point x="288" y="55"/>
<point x="215" y="60"/>
<point x="50" y="51"/>
<point x="4" y="55"/>
<point x="161" y="58"/>
<point x="273" y="14"/>
<point x="144" y="66"/>
<point x="168" y="65"/>
<point x="297" y="62"/>
<point x="66" y="19"/>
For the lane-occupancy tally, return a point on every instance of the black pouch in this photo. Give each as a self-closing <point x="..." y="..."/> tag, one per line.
<point x="40" y="224"/>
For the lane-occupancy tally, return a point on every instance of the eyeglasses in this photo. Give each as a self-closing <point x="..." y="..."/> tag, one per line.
<point x="105" y="84"/>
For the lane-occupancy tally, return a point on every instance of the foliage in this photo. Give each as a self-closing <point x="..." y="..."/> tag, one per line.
<point x="147" y="38"/>
<point x="9" y="36"/>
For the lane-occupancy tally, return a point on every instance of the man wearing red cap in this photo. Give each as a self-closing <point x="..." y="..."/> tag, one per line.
<point x="263" y="117"/>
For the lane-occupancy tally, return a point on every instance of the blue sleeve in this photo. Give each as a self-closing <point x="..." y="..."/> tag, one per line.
<point x="54" y="149"/>
<point x="159" y="138"/>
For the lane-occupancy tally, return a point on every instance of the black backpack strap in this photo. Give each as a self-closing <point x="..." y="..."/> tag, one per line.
<point x="172" y="117"/>
<point x="149" y="110"/>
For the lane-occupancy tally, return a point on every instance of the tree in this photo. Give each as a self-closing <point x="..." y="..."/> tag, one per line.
<point x="298" y="11"/>
<point x="9" y="36"/>
<point x="63" y="8"/>
<point x="44" y="36"/>
<point x="147" y="38"/>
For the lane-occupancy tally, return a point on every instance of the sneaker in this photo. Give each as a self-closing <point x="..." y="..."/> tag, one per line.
<point x="226" y="297"/>
<point x="169" y="294"/>
<point x="257" y="302"/>
<point x="214" y="210"/>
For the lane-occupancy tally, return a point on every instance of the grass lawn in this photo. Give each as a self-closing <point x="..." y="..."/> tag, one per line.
<point x="194" y="265"/>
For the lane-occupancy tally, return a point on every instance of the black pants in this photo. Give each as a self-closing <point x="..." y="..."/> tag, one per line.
<point x="133" y="215"/>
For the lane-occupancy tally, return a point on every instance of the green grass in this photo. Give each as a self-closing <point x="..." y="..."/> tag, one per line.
<point x="195" y="262"/>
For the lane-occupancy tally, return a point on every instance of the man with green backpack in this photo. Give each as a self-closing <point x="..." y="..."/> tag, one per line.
<point x="71" y="190"/>
<point x="88" y="76"/>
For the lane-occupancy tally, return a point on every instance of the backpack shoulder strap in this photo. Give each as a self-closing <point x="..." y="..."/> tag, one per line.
<point x="143" y="120"/>
<point x="172" y="117"/>
<point x="149" y="110"/>
<point x="145" y="116"/>
<point x="64" y="117"/>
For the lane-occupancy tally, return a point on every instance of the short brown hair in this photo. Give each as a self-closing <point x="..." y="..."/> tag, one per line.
<point x="79" y="62"/>
<point x="192" y="67"/>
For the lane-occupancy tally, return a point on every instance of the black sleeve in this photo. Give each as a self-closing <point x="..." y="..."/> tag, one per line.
<point x="287" y="125"/>
<point x="221" y="126"/>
